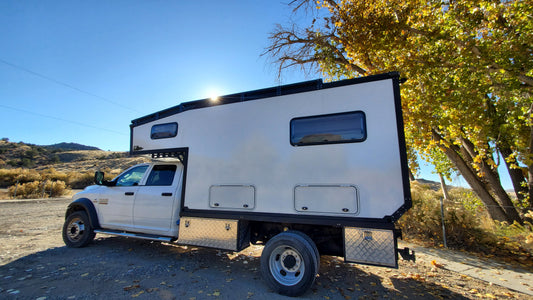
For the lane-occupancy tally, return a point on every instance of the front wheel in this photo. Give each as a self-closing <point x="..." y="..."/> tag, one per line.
<point x="289" y="263"/>
<point x="77" y="231"/>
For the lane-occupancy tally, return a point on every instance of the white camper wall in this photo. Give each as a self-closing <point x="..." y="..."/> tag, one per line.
<point x="244" y="149"/>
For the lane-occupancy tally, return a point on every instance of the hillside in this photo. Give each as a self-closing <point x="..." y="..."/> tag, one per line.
<point x="23" y="155"/>
<point x="71" y="146"/>
<point x="77" y="166"/>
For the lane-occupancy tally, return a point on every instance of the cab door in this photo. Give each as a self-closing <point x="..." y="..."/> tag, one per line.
<point x="156" y="208"/>
<point x="115" y="203"/>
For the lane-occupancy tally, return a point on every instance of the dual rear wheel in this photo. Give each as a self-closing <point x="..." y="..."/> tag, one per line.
<point x="289" y="263"/>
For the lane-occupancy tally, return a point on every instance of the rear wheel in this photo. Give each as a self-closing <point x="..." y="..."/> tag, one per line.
<point x="77" y="231"/>
<point x="289" y="263"/>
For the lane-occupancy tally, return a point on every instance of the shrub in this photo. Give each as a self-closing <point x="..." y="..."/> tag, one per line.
<point x="468" y="225"/>
<point x="78" y="180"/>
<point x="12" y="176"/>
<point x="424" y="221"/>
<point x="54" y="175"/>
<point x="34" y="189"/>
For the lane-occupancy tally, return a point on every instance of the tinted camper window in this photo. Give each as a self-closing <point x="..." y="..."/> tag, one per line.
<point x="328" y="129"/>
<point x="163" y="131"/>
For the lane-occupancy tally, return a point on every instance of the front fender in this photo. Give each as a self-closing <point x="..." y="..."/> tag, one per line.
<point x="86" y="205"/>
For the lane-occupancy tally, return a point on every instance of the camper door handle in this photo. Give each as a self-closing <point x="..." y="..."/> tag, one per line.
<point x="128" y="193"/>
<point x="166" y="194"/>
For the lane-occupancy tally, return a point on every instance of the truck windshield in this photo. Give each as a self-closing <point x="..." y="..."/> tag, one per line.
<point x="132" y="176"/>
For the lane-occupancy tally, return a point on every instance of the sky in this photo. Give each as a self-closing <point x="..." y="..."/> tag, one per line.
<point x="80" y="71"/>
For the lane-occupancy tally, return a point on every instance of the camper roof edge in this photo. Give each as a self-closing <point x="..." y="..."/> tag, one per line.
<point x="299" y="87"/>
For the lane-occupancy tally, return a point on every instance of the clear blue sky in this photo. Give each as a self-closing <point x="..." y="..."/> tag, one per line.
<point x="80" y="71"/>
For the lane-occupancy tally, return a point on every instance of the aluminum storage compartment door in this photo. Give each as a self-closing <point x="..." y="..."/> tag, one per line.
<point x="213" y="233"/>
<point x="370" y="246"/>
<point x="232" y="196"/>
<point x="336" y="199"/>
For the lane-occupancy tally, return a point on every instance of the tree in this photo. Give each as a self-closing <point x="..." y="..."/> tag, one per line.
<point x="469" y="66"/>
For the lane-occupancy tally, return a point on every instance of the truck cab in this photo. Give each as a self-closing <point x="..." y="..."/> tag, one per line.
<point x="144" y="199"/>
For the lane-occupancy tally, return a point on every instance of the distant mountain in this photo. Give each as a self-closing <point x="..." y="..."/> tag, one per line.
<point x="71" y="147"/>
<point x="432" y="184"/>
<point x="15" y="155"/>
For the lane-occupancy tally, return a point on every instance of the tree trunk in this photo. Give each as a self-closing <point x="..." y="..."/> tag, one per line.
<point x="494" y="184"/>
<point x="517" y="176"/>
<point x="443" y="187"/>
<point x="411" y="176"/>
<point x="495" y="210"/>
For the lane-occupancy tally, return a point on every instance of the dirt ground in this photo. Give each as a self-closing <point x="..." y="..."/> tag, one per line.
<point x="35" y="264"/>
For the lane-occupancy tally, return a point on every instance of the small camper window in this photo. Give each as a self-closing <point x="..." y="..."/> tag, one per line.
<point x="328" y="129"/>
<point x="163" y="131"/>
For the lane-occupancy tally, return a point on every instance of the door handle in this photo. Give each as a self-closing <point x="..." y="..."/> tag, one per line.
<point x="128" y="193"/>
<point x="166" y="194"/>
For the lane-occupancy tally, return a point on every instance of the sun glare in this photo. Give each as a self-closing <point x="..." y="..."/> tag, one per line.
<point x="214" y="94"/>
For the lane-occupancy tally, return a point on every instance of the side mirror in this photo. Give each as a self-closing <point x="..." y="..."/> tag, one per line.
<point x="99" y="178"/>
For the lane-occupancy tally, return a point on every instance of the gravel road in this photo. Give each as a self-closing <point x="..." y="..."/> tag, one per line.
<point x="35" y="264"/>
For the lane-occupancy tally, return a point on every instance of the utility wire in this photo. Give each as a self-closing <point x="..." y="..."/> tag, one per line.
<point x="60" y="119"/>
<point x="66" y="85"/>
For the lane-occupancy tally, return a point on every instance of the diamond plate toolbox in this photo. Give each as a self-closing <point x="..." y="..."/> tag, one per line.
<point x="213" y="233"/>
<point x="370" y="246"/>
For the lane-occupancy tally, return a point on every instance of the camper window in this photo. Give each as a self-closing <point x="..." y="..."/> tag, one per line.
<point x="163" y="131"/>
<point x="328" y="129"/>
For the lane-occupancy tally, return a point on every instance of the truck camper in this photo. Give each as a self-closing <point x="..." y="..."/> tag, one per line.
<point x="305" y="169"/>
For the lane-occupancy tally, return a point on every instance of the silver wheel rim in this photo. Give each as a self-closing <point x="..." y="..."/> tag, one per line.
<point x="286" y="265"/>
<point x="75" y="229"/>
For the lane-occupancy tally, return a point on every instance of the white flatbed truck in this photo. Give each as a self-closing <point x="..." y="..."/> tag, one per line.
<point x="306" y="169"/>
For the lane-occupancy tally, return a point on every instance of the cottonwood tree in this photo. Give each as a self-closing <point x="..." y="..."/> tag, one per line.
<point x="468" y="65"/>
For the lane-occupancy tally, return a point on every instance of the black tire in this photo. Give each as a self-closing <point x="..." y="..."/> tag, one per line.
<point x="77" y="230"/>
<point x="289" y="263"/>
<point x="310" y="241"/>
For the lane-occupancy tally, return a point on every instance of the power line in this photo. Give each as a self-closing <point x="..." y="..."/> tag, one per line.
<point x="60" y="119"/>
<point x="66" y="85"/>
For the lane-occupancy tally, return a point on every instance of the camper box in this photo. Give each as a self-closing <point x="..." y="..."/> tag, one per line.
<point x="313" y="153"/>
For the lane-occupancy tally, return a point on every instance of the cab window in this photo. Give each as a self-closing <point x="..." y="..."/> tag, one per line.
<point x="161" y="175"/>
<point x="131" y="177"/>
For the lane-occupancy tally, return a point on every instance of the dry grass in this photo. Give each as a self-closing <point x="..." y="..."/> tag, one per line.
<point x="468" y="226"/>
<point x="75" y="175"/>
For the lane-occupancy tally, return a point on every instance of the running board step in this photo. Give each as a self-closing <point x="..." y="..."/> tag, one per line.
<point x="136" y="235"/>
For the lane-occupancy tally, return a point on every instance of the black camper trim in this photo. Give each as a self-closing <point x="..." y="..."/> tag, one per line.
<point x="179" y="153"/>
<point x="408" y="203"/>
<point x="281" y="90"/>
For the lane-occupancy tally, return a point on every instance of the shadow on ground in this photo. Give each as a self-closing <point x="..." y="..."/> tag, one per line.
<point x="118" y="268"/>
